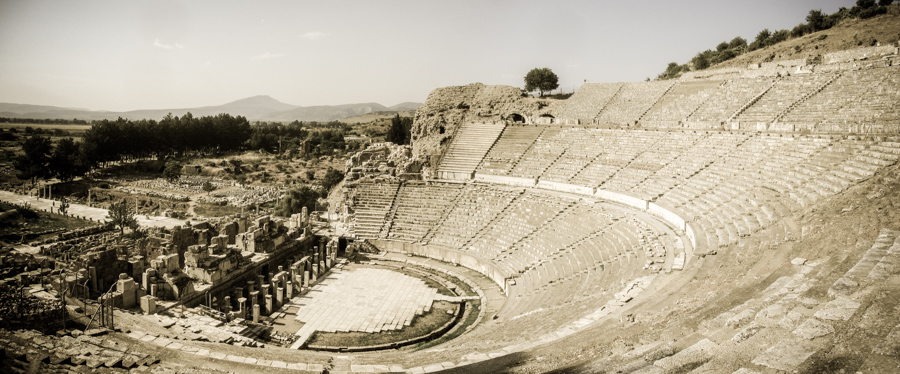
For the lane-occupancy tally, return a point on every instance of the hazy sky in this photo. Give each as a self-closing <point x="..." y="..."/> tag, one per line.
<point x="125" y="55"/>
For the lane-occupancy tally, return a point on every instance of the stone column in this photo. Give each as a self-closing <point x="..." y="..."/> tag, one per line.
<point x="269" y="305"/>
<point x="305" y="279"/>
<point x="242" y="304"/>
<point x="227" y="306"/>
<point x="254" y="298"/>
<point x="250" y="286"/>
<point x="92" y="271"/>
<point x="256" y="313"/>
<point x="279" y="296"/>
<point x="289" y="290"/>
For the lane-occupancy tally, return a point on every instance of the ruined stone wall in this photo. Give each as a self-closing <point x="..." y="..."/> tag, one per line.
<point x="437" y="120"/>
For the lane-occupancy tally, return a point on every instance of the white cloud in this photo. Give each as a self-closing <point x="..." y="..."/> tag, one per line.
<point x="266" y="56"/>
<point x="313" y="35"/>
<point x="158" y="44"/>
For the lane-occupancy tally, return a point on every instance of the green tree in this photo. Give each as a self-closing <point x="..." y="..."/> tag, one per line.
<point x="331" y="179"/>
<point x="399" y="133"/>
<point x="816" y="20"/>
<point x="701" y="61"/>
<point x="63" y="206"/>
<point x="172" y="171"/>
<point x="120" y="216"/>
<point x="35" y="162"/>
<point x="541" y="80"/>
<point x="295" y="199"/>
<point x="208" y="187"/>
<point x="64" y="161"/>
<point x="737" y="42"/>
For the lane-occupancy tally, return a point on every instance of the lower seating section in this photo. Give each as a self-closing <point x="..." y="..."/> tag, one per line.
<point x="523" y="217"/>
<point x="508" y="150"/>
<point x="370" y="208"/>
<point x="534" y="237"/>
<point x="476" y="206"/>
<point x="418" y="207"/>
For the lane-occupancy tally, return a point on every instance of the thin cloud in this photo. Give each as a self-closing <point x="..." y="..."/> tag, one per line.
<point x="313" y="35"/>
<point x="266" y="56"/>
<point x="158" y="44"/>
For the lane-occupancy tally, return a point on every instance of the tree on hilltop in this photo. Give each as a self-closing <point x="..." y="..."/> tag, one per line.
<point x="541" y="80"/>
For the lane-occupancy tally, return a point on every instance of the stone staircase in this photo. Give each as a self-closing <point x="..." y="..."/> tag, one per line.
<point x="471" y="143"/>
<point x="750" y="103"/>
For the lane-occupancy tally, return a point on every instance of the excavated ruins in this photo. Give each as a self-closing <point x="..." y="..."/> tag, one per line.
<point x="734" y="220"/>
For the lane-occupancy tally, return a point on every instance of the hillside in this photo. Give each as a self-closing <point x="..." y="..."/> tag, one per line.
<point x="850" y="33"/>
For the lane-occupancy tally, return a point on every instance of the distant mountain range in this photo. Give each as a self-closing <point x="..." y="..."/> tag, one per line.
<point x="256" y="108"/>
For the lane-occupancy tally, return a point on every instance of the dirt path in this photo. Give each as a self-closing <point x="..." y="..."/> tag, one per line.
<point x="86" y="212"/>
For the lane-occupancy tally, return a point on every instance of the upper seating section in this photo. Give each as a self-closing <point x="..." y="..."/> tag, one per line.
<point x="729" y="183"/>
<point x="469" y="146"/>
<point x="684" y="98"/>
<point x="631" y="102"/>
<point x="733" y="95"/>
<point x="780" y="97"/>
<point x="827" y="98"/>
<point x="856" y="97"/>
<point x="588" y="101"/>
<point x="506" y="152"/>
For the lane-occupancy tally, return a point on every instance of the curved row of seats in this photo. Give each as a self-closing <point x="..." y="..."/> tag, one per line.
<point x="731" y="184"/>
<point x="527" y="234"/>
<point x="829" y="100"/>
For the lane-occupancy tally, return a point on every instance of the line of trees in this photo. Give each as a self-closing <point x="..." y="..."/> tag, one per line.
<point x="815" y="21"/>
<point x="275" y="137"/>
<point x="44" y="121"/>
<point x="122" y="140"/>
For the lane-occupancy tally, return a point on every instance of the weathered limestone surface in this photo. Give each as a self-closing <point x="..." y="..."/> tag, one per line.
<point x="447" y="108"/>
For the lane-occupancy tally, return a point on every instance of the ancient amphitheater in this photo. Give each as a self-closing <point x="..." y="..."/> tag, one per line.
<point x="738" y="220"/>
<point x="730" y="221"/>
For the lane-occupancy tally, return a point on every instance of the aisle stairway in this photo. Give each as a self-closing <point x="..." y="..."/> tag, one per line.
<point x="471" y="143"/>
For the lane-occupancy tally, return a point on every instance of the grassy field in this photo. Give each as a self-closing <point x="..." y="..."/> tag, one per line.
<point x="34" y="224"/>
